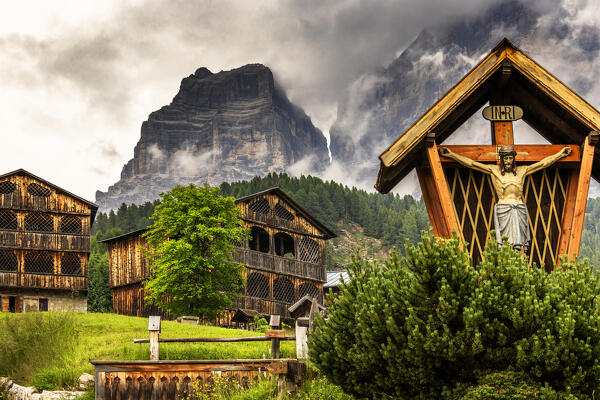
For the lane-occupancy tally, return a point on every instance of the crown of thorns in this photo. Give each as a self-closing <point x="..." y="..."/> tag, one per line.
<point x="507" y="150"/>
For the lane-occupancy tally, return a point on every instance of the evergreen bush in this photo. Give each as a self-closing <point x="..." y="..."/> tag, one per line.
<point x="430" y="325"/>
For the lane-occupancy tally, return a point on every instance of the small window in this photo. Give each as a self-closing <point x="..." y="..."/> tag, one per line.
<point x="8" y="261"/>
<point x="7" y="187"/>
<point x="39" y="263"/>
<point x="38" y="190"/>
<point x="70" y="264"/>
<point x="309" y="250"/>
<point x="260" y="206"/>
<point x="39" y="223"/>
<point x="257" y="285"/>
<point x="283" y="290"/>
<point x="43" y="305"/>
<point x="308" y="289"/>
<point x="283" y="212"/>
<point x="284" y="245"/>
<point x="259" y="239"/>
<point x="8" y="220"/>
<point x="70" y="224"/>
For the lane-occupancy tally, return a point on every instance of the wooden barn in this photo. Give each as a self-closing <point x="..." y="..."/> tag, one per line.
<point x="284" y="259"/>
<point x="44" y="245"/>
<point x="513" y="87"/>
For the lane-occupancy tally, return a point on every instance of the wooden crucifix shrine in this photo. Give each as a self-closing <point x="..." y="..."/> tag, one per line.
<point x="538" y="191"/>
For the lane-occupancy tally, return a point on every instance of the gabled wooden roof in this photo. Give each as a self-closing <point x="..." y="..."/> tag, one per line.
<point x="299" y="210"/>
<point x="21" y="171"/>
<point x="550" y="107"/>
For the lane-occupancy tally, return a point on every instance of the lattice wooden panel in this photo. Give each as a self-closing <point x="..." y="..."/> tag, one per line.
<point x="39" y="223"/>
<point x="309" y="250"/>
<point x="308" y="288"/>
<point x="8" y="261"/>
<point x="70" y="264"/>
<point x="257" y="285"/>
<point x="260" y="206"/>
<point x="283" y="212"/>
<point x="38" y="190"/>
<point x="8" y="220"/>
<point x="474" y="198"/>
<point x="7" y="187"/>
<point x="39" y="263"/>
<point x="283" y="290"/>
<point x="71" y="224"/>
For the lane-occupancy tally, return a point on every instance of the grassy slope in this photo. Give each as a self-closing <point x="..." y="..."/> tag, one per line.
<point x="110" y="337"/>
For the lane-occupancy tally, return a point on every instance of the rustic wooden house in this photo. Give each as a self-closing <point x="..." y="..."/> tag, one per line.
<point x="44" y="245"/>
<point x="284" y="259"/>
<point x="462" y="199"/>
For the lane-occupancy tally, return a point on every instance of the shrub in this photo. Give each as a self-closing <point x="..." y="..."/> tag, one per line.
<point x="33" y="342"/>
<point x="426" y="325"/>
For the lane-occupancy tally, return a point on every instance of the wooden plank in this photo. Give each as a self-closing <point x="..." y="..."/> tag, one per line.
<point x="567" y="217"/>
<point x="526" y="153"/>
<point x="441" y="188"/>
<point x="214" y="340"/>
<point x="274" y="333"/>
<point x="583" y="186"/>
<point x="503" y="132"/>
<point x="432" y="203"/>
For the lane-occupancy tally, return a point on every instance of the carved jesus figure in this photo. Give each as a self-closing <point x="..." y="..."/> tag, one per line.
<point x="510" y="213"/>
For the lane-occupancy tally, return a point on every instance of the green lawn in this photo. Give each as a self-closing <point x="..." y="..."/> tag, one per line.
<point x="110" y="337"/>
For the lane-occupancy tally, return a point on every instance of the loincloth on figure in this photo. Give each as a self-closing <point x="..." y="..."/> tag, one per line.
<point x="510" y="219"/>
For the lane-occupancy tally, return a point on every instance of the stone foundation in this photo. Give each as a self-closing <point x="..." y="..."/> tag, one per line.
<point x="27" y="300"/>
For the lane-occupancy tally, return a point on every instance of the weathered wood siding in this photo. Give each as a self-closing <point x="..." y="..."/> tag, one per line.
<point x="129" y="300"/>
<point x="37" y="218"/>
<point x="127" y="264"/>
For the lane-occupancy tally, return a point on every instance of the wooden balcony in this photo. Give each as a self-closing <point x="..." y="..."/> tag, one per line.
<point x="43" y="281"/>
<point x="273" y="220"/>
<point x="44" y="241"/>
<point x="280" y="265"/>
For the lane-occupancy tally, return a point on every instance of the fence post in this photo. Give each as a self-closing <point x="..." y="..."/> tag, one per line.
<point x="274" y="323"/>
<point x="154" y="328"/>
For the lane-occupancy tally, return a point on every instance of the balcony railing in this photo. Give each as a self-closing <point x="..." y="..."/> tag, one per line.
<point x="281" y="265"/>
<point x="273" y="220"/>
<point x="44" y="241"/>
<point x="43" y="281"/>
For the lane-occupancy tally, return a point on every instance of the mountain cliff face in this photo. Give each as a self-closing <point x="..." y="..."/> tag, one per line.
<point x="227" y="126"/>
<point x="377" y="108"/>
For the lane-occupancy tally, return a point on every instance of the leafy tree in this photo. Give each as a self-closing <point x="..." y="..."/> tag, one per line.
<point x="190" y="252"/>
<point x="430" y="326"/>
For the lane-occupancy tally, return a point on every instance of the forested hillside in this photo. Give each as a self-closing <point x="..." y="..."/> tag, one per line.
<point x="372" y="221"/>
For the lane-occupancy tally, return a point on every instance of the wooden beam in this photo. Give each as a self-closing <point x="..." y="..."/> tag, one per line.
<point x="583" y="186"/>
<point x="567" y="217"/>
<point x="503" y="132"/>
<point x="441" y="187"/>
<point x="526" y="153"/>
<point x="432" y="201"/>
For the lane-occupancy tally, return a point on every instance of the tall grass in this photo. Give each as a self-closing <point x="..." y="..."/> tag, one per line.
<point x="34" y="344"/>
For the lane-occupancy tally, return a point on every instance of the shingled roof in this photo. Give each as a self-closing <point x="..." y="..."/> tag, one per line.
<point x="550" y="107"/>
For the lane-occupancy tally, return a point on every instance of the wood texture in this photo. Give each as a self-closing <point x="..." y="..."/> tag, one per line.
<point x="567" y="218"/>
<point x="503" y="132"/>
<point x="583" y="186"/>
<point x="432" y="201"/>
<point x="527" y="153"/>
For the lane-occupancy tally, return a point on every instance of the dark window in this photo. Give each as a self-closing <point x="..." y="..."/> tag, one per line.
<point x="284" y="245"/>
<point x="12" y="304"/>
<point x="308" y="288"/>
<point x="309" y="250"/>
<point x="39" y="223"/>
<point x="8" y="220"/>
<point x="260" y="206"/>
<point x="38" y="190"/>
<point x="283" y="212"/>
<point x="43" y="305"/>
<point x="257" y="285"/>
<point x="259" y="239"/>
<point x="8" y="261"/>
<point x="70" y="224"/>
<point x="7" y="187"/>
<point x="39" y="263"/>
<point x="70" y="264"/>
<point x="283" y="290"/>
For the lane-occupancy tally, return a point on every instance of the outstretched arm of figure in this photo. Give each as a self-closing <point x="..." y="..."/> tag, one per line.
<point x="466" y="161"/>
<point x="548" y="161"/>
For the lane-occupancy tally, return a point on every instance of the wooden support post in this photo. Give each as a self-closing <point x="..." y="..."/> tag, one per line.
<point x="583" y="186"/>
<point x="432" y="203"/>
<point x="503" y="132"/>
<point x="154" y="328"/>
<point x="567" y="217"/>
<point x="441" y="188"/>
<point x="302" y="337"/>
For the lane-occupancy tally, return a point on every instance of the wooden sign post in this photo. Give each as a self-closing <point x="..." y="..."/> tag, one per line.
<point x="154" y="329"/>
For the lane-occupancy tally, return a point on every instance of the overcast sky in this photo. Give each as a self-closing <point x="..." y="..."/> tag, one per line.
<point x="78" y="78"/>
